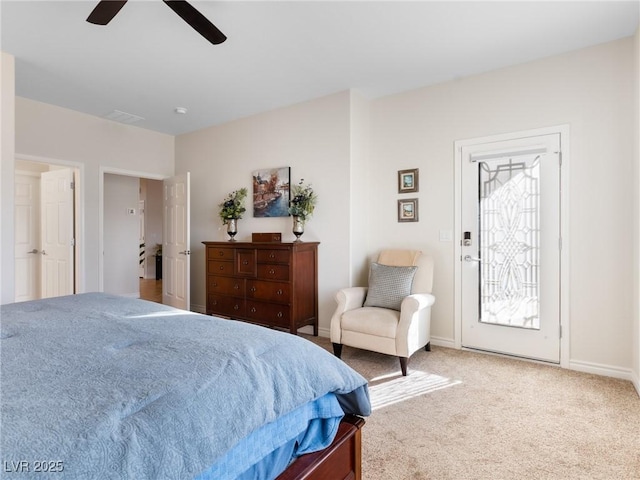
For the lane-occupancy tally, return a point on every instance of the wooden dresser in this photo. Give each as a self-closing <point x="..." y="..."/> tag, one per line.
<point x="272" y="284"/>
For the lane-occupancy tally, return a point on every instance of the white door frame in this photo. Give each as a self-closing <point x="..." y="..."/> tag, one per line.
<point x="564" y="132"/>
<point x="79" y="259"/>
<point x="114" y="171"/>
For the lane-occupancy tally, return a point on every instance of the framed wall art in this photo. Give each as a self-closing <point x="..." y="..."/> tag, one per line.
<point x="271" y="192"/>
<point x="408" y="181"/>
<point x="408" y="210"/>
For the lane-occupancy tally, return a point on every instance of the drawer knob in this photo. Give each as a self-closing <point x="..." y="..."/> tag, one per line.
<point x="279" y="315"/>
<point x="245" y="262"/>
<point x="253" y="309"/>
<point x="236" y="286"/>
<point x="272" y="255"/>
<point x="253" y="289"/>
<point x="279" y="291"/>
<point x="272" y="271"/>
<point x="221" y="267"/>
<point x="214" y="302"/>
<point x="215" y="284"/>
<point x="236" y="307"/>
<point x="221" y="253"/>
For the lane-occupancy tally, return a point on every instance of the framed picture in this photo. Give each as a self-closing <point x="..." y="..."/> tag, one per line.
<point x="271" y="192"/>
<point x="408" y="181"/>
<point x="408" y="210"/>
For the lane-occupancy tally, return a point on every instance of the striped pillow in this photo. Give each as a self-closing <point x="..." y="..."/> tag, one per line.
<point x="389" y="285"/>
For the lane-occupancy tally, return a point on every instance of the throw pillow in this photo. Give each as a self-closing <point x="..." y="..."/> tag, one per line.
<point x="388" y="285"/>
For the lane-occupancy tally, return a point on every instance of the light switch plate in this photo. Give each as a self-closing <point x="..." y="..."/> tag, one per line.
<point x="446" y="236"/>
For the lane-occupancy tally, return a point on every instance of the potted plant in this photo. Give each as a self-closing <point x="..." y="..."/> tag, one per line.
<point x="301" y="206"/>
<point x="231" y="210"/>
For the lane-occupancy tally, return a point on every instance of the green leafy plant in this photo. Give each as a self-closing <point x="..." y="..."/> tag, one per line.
<point x="304" y="200"/>
<point x="233" y="205"/>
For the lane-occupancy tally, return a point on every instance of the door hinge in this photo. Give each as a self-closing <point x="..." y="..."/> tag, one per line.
<point x="560" y="158"/>
<point x="73" y="242"/>
<point x="73" y="185"/>
<point x="560" y="243"/>
<point x="560" y="328"/>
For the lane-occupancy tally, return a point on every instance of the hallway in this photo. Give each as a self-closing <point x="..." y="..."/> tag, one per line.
<point x="151" y="290"/>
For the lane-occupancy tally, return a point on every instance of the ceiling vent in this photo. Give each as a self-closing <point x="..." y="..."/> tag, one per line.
<point x="123" y="117"/>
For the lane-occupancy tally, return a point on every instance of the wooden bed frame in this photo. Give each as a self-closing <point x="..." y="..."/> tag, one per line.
<point x="341" y="460"/>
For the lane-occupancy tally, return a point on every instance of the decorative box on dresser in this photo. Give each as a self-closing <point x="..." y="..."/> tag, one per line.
<point x="272" y="284"/>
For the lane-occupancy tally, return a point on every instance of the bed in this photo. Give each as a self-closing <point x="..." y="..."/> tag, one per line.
<point x="107" y="387"/>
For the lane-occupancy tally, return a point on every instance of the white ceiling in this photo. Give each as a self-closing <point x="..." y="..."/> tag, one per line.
<point x="148" y="61"/>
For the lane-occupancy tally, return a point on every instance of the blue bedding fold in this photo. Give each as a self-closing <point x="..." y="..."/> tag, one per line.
<point x="306" y="429"/>
<point x="117" y="388"/>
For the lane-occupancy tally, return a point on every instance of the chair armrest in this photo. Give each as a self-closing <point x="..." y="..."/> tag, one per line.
<point x="417" y="301"/>
<point x="415" y="323"/>
<point x="348" y="299"/>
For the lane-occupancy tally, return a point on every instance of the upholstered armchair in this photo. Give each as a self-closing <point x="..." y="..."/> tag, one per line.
<point x="393" y="314"/>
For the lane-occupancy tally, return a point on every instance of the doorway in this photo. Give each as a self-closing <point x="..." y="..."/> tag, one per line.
<point x="509" y="249"/>
<point x="132" y="226"/>
<point x="120" y="230"/>
<point x="46" y="226"/>
<point x="150" y="216"/>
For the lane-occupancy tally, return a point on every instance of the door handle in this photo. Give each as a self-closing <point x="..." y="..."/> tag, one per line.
<point x="186" y="252"/>
<point x="34" y="251"/>
<point x="469" y="258"/>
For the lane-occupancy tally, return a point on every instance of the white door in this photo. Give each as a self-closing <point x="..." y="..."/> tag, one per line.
<point x="57" y="226"/>
<point x="510" y="253"/>
<point x="176" y="241"/>
<point x="27" y="237"/>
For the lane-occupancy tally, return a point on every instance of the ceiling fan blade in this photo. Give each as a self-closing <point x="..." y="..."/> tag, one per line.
<point x="105" y="11"/>
<point x="198" y="21"/>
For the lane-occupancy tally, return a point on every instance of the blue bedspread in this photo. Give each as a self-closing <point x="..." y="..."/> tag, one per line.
<point x="107" y="387"/>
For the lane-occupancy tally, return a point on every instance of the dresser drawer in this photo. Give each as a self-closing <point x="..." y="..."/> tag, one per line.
<point x="273" y="256"/>
<point x="218" y="267"/>
<point x="273" y="272"/>
<point x="225" y="285"/>
<point x="269" y="291"/>
<point x="227" y="306"/>
<point x="220" y="253"/>
<point x="246" y="263"/>
<point x="268" y="313"/>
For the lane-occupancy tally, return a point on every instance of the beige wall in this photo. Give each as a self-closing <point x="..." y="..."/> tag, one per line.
<point x="60" y="135"/>
<point x="7" y="146"/>
<point x="313" y="139"/>
<point x="591" y="90"/>
<point x="636" y="236"/>
<point x="352" y="148"/>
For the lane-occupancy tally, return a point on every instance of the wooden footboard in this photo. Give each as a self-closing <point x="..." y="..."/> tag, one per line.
<point x="340" y="460"/>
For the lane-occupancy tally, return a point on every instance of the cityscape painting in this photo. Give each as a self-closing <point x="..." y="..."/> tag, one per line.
<point x="271" y="192"/>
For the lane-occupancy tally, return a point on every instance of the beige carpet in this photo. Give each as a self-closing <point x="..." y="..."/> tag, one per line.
<point x="464" y="415"/>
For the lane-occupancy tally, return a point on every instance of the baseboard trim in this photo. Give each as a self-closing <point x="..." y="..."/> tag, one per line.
<point x="600" y="369"/>
<point x="198" y="308"/>
<point x="635" y="379"/>
<point x="443" y="342"/>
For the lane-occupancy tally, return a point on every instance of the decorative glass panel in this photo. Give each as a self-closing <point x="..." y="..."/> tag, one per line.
<point x="509" y="226"/>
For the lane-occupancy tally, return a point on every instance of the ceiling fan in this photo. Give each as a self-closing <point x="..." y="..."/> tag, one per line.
<point x="104" y="12"/>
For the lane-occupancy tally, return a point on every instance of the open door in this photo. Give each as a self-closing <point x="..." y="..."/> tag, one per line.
<point x="27" y="237"/>
<point x="176" y="241"/>
<point x="57" y="233"/>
